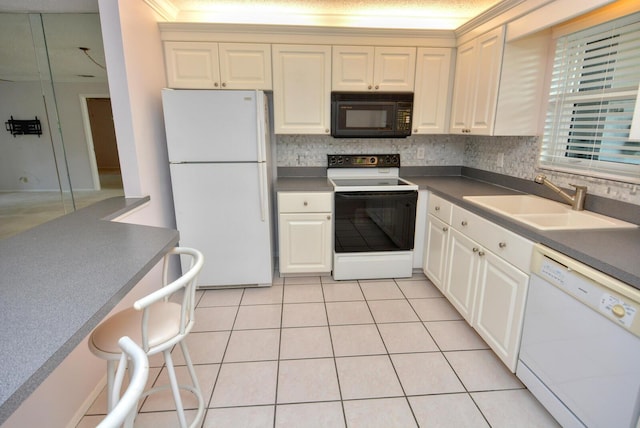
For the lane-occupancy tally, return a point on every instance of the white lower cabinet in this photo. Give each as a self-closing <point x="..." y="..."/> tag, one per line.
<point x="304" y="232"/>
<point x="462" y="274"/>
<point x="484" y="276"/>
<point x="437" y="241"/>
<point x="499" y="306"/>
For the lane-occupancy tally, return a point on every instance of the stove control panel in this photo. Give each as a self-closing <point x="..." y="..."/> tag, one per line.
<point x="364" y="161"/>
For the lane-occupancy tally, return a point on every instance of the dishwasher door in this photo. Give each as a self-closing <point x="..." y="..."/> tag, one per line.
<point x="578" y="363"/>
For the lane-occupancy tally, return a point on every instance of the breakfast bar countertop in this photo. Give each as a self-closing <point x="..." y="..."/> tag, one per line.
<point x="59" y="280"/>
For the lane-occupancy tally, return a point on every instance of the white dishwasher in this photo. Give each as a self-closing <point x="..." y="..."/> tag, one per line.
<point x="580" y="351"/>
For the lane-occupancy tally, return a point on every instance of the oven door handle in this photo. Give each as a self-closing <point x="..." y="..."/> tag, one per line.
<point x="368" y="195"/>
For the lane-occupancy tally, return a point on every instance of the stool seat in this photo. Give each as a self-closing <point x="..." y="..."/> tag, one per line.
<point x="163" y="325"/>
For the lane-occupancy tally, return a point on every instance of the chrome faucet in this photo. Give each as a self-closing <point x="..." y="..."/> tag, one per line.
<point x="576" y="201"/>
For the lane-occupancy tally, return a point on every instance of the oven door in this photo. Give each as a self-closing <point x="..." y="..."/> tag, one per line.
<point x="368" y="221"/>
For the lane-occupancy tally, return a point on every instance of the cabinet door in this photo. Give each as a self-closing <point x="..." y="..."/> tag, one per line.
<point x="352" y="68"/>
<point x="245" y="66"/>
<point x="461" y="273"/>
<point x="462" y="89"/>
<point x="192" y="65"/>
<point x="436" y="251"/>
<point x="305" y="242"/>
<point x="488" y="64"/>
<point x="301" y="89"/>
<point x="502" y="291"/>
<point x="431" y="100"/>
<point x="394" y="69"/>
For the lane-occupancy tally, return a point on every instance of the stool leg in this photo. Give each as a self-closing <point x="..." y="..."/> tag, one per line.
<point x="194" y="381"/>
<point x="111" y="374"/>
<point x="174" y="387"/>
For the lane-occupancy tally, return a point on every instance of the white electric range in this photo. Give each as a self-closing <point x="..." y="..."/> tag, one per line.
<point x="374" y="221"/>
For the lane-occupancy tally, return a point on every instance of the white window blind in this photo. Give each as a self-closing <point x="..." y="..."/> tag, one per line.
<point x="594" y="87"/>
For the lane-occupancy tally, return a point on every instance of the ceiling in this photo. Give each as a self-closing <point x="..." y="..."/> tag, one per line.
<point x="423" y="14"/>
<point x="71" y="24"/>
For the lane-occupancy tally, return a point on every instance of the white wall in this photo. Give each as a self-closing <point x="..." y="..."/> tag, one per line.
<point x="135" y="67"/>
<point x="27" y="161"/>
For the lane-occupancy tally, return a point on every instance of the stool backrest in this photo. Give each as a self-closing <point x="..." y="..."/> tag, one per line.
<point x="126" y="407"/>
<point x="186" y="283"/>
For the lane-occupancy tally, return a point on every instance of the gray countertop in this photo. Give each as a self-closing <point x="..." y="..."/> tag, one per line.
<point x="614" y="252"/>
<point x="59" y="280"/>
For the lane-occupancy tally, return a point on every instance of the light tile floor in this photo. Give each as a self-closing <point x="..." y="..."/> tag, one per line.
<point x="312" y="352"/>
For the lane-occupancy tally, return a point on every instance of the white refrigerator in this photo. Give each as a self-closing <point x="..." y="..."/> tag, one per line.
<point x="219" y="147"/>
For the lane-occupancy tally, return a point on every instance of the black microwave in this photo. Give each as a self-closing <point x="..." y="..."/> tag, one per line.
<point x="371" y="114"/>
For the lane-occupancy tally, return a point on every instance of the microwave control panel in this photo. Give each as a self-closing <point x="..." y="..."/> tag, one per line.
<point x="403" y="118"/>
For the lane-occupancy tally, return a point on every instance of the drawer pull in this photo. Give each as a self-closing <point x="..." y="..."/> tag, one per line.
<point x="502" y="244"/>
<point x="437" y="208"/>
<point x="476" y="249"/>
<point x="444" y="229"/>
<point x="464" y="222"/>
<point x="481" y="253"/>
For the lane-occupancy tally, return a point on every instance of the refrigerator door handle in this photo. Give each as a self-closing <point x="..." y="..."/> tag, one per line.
<point x="262" y="183"/>
<point x="260" y="126"/>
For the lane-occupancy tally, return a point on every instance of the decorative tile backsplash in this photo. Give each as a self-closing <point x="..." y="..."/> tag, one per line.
<point x="520" y="158"/>
<point x="519" y="155"/>
<point x="312" y="150"/>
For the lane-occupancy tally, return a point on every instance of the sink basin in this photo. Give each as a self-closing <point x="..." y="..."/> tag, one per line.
<point x="545" y="214"/>
<point x="518" y="204"/>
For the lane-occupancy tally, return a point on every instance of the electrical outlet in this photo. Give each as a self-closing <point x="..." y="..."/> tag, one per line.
<point x="500" y="160"/>
<point x="420" y="154"/>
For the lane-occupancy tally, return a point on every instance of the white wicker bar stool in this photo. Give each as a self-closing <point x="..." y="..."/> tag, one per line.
<point x="123" y="414"/>
<point x="157" y="323"/>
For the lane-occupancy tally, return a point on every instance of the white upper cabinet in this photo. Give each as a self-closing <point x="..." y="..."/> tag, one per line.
<point x="498" y="88"/>
<point x="210" y="65"/>
<point x="245" y="66"/>
<point x="192" y="65"/>
<point x="302" y="89"/>
<point x="475" y="90"/>
<point x="368" y="68"/>
<point x="432" y="91"/>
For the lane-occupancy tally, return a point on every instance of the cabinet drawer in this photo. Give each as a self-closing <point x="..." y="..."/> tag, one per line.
<point x="440" y="208"/>
<point x="511" y="247"/>
<point x="305" y="202"/>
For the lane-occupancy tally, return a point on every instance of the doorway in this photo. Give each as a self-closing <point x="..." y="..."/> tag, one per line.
<point x="101" y="139"/>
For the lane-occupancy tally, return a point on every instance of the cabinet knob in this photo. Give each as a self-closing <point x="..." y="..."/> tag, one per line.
<point x="305" y="203"/>
<point x="328" y="217"/>
<point x="224" y="85"/>
<point x="476" y="249"/>
<point x="444" y="229"/>
<point x="215" y="84"/>
<point x="377" y="87"/>
<point x="464" y="222"/>
<point x="502" y="244"/>
<point x="415" y="130"/>
<point x="481" y="253"/>
<point x="369" y="87"/>
<point x="437" y="208"/>
<point x="326" y="131"/>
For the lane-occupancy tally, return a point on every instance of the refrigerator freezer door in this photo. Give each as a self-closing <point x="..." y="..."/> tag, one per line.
<point x="218" y="211"/>
<point x="214" y="126"/>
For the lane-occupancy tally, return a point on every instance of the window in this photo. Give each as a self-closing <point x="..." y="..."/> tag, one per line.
<point x="594" y="87"/>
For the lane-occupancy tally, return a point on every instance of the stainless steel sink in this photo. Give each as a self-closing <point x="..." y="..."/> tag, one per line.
<point x="545" y="214"/>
